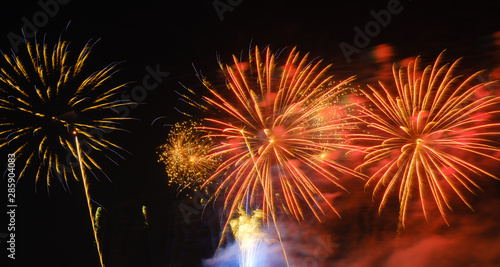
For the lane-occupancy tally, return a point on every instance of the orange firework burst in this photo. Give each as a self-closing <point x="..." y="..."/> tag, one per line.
<point x="279" y="133"/>
<point x="426" y="135"/>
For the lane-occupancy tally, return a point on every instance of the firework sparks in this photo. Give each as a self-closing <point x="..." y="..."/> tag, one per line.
<point x="50" y="109"/>
<point x="97" y="219"/>
<point x="280" y="129"/>
<point x="185" y="155"/>
<point x="426" y="134"/>
<point x="145" y="214"/>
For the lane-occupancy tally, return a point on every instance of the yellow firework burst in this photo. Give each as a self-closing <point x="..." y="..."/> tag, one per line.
<point x="47" y="100"/>
<point x="427" y="133"/>
<point x="185" y="155"/>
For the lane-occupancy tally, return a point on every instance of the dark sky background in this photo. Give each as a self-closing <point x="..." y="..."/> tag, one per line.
<point x="53" y="227"/>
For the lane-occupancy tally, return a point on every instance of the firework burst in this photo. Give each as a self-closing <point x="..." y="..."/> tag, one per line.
<point x="279" y="129"/>
<point x="47" y="101"/>
<point x="185" y="155"/>
<point x="426" y="134"/>
<point x="54" y="115"/>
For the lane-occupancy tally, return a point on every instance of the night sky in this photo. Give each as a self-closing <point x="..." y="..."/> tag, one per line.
<point x="52" y="224"/>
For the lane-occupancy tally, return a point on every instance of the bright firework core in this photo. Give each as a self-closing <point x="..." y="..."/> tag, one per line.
<point x="247" y="232"/>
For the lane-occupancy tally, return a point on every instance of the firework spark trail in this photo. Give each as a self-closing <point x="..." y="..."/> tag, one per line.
<point x="278" y="129"/>
<point x="426" y="134"/>
<point x="47" y="101"/>
<point x="89" y="205"/>
<point x="185" y="155"/>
